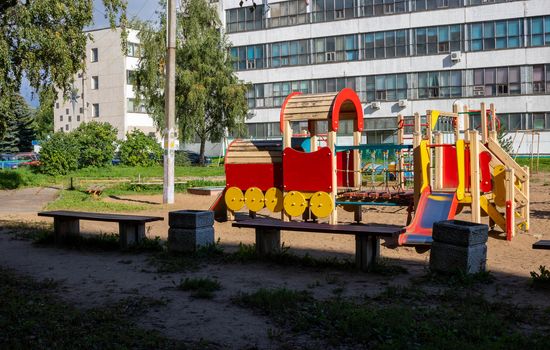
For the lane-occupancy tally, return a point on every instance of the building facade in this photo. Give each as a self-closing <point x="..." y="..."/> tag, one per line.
<point x="104" y="92"/>
<point x="401" y="56"/>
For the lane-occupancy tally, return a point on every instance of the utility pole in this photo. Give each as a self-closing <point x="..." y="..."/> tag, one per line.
<point x="170" y="104"/>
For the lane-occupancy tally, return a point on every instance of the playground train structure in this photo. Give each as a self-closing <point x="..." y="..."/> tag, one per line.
<point x="445" y="167"/>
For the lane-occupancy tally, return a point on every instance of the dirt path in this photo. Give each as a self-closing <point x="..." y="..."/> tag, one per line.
<point x="27" y="200"/>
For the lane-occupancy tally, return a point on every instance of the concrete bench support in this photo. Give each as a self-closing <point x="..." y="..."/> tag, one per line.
<point x="64" y="227"/>
<point x="268" y="240"/>
<point x="367" y="251"/>
<point x="130" y="233"/>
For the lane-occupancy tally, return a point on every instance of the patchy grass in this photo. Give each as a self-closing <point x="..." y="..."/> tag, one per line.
<point x="403" y="319"/>
<point x="201" y="288"/>
<point x="457" y="279"/>
<point x="541" y="279"/>
<point x="71" y="200"/>
<point x="166" y="262"/>
<point x="32" y="318"/>
<point x="544" y="163"/>
<point x="129" y="189"/>
<point x="386" y="268"/>
<point x="101" y="242"/>
<point x="25" y="230"/>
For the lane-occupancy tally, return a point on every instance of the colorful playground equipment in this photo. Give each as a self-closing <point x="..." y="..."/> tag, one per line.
<point x="446" y="168"/>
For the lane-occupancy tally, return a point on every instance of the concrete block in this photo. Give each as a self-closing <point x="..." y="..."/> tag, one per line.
<point x="190" y="218"/>
<point x="450" y="258"/>
<point x="189" y="240"/>
<point x="367" y="251"/>
<point x="130" y="233"/>
<point x="460" y="233"/>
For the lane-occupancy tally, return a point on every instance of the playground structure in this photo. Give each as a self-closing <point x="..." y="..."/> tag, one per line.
<point x="449" y="165"/>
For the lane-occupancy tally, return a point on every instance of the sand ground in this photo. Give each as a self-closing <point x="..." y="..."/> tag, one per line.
<point x="92" y="279"/>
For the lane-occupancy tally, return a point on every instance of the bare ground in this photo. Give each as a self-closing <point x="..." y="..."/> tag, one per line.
<point x="93" y="279"/>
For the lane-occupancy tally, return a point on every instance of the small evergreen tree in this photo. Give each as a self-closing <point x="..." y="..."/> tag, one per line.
<point x="140" y="150"/>
<point x="18" y="125"/>
<point x="96" y="143"/>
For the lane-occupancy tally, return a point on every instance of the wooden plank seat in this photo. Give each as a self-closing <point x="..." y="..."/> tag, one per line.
<point x="367" y="237"/>
<point x="544" y="244"/>
<point x="131" y="227"/>
<point x="95" y="190"/>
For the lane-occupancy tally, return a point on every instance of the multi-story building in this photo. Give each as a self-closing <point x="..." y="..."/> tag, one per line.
<point x="401" y="56"/>
<point x="104" y="91"/>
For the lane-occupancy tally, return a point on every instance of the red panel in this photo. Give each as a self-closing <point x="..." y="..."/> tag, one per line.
<point x="344" y="161"/>
<point x="450" y="168"/>
<point x="509" y="213"/>
<point x="282" y="112"/>
<point x="344" y="95"/>
<point x="263" y="176"/>
<point x="484" y="159"/>
<point x="308" y="172"/>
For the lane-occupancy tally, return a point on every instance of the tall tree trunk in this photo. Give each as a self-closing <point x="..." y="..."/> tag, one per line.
<point x="201" y="152"/>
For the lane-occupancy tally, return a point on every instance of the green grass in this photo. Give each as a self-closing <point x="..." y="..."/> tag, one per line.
<point x="76" y="200"/>
<point x="541" y="279"/>
<point x="544" y="163"/>
<point x="31" y="317"/>
<point x="403" y="319"/>
<point x="201" y="288"/>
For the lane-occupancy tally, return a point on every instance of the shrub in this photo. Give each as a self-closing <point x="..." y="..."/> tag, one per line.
<point x="59" y="154"/>
<point x="140" y="150"/>
<point x="96" y="142"/>
<point x="181" y="159"/>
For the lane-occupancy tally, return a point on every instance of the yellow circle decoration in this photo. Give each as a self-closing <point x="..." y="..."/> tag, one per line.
<point x="254" y="199"/>
<point x="321" y="204"/>
<point x="274" y="199"/>
<point x="234" y="198"/>
<point x="295" y="203"/>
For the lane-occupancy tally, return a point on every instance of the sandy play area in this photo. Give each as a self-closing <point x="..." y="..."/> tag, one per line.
<point x="91" y="278"/>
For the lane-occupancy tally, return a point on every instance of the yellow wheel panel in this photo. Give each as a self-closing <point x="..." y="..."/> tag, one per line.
<point x="254" y="199"/>
<point x="321" y="204"/>
<point x="234" y="198"/>
<point x="274" y="199"/>
<point x="295" y="203"/>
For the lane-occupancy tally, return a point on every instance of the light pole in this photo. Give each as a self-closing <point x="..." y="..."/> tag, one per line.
<point x="170" y="104"/>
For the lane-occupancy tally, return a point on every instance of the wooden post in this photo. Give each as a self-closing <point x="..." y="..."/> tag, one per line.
<point x="63" y="227"/>
<point x="130" y="233"/>
<point x="510" y="204"/>
<point x="287" y="142"/>
<point x="438" y="183"/>
<point x="400" y="141"/>
<point x="475" y="177"/>
<point x="456" y="126"/>
<point x="483" y="117"/>
<point x="367" y="251"/>
<point x="356" y="159"/>
<point x="526" y="208"/>
<point x="429" y="126"/>
<point x="331" y="140"/>
<point x="268" y="241"/>
<point x="493" y="117"/>
<point x="466" y="118"/>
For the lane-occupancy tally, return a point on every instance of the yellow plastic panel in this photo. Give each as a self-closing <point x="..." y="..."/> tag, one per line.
<point x="254" y="199"/>
<point x="295" y="203"/>
<point x="321" y="204"/>
<point x="274" y="200"/>
<point x="234" y="198"/>
<point x="499" y="185"/>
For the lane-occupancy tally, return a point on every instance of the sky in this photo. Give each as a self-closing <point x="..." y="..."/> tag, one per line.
<point x="143" y="9"/>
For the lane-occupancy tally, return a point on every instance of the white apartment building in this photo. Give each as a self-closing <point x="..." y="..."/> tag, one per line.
<point x="104" y="92"/>
<point x="401" y="56"/>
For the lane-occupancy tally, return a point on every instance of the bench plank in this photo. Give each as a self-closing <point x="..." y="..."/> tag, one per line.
<point x="353" y="229"/>
<point x="545" y="244"/>
<point x="99" y="216"/>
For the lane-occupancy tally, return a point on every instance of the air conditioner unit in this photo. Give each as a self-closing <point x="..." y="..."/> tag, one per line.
<point x="375" y="105"/>
<point x="250" y="64"/>
<point x="330" y="56"/>
<point x="339" y="14"/>
<point x="402" y="103"/>
<point x="455" y="56"/>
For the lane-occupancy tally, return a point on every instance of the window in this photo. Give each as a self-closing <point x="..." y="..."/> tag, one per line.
<point x="78" y="118"/>
<point x="95" y="82"/>
<point x="497" y="81"/>
<point x="60" y="118"/>
<point x="57" y="105"/>
<point x="248" y="57"/>
<point x="81" y="109"/>
<point x="390" y="87"/>
<point x="329" y="10"/>
<point x="134" y="107"/>
<point x="67" y="127"/>
<point x="242" y="19"/>
<point x="385" y="44"/>
<point x="538" y="121"/>
<point x="133" y="50"/>
<point x="288" y="13"/>
<point x="539" y="31"/>
<point x="336" y="49"/>
<point x="443" y="84"/>
<point x="95" y="110"/>
<point x="423" y="5"/>
<point x="504" y="34"/>
<point x="435" y="40"/>
<point x="70" y="119"/>
<point x="541" y="78"/>
<point x="94" y="55"/>
<point x="67" y="111"/>
<point x="131" y="77"/>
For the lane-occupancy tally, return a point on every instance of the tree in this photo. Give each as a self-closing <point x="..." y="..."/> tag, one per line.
<point x="59" y="154"/>
<point x="20" y="128"/>
<point x="140" y="150"/>
<point x="44" y="115"/>
<point x="44" y="41"/>
<point x="209" y="96"/>
<point x="96" y="143"/>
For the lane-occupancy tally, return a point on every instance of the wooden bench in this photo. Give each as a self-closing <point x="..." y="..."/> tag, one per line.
<point x="367" y="237"/>
<point x="131" y="227"/>
<point x="95" y="190"/>
<point x="542" y="245"/>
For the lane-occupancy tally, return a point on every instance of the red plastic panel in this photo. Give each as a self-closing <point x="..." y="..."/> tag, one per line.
<point x="263" y="176"/>
<point x="450" y="168"/>
<point x="484" y="159"/>
<point x="344" y="161"/>
<point x="344" y="95"/>
<point x="308" y="172"/>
